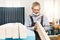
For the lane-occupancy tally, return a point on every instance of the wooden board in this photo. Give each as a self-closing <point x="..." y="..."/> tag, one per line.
<point x="43" y="35"/>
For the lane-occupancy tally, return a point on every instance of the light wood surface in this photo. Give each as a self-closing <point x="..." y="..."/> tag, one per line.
<point x="43" y="35"/>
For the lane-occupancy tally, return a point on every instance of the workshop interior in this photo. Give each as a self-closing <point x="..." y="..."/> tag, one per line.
<point x="14" y="12"/>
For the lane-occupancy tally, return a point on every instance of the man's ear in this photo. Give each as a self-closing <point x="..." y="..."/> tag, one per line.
<point x="32" y="8"/>
<point x="40" y="8"/>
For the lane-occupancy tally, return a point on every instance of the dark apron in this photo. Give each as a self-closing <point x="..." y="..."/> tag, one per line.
<point x="32" y="24"/>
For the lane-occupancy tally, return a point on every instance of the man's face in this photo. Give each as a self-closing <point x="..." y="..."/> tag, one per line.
<point x="36" y="9"/>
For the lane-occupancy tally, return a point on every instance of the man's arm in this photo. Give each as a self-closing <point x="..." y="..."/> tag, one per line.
<point x="46" y="23"/>
<point x="28" y="23"/>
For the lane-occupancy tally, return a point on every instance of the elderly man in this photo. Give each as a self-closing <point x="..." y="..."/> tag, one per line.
<point x="36" y="16"/>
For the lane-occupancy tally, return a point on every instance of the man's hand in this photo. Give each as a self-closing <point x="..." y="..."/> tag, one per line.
<point x="35" y="26"/>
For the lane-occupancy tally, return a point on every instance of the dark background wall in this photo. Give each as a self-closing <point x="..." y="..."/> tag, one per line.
<point x="11" y="15"/>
